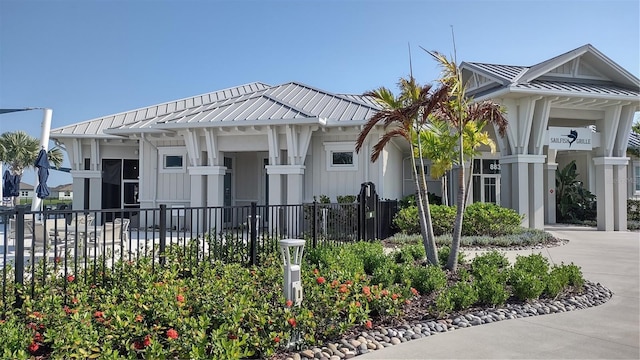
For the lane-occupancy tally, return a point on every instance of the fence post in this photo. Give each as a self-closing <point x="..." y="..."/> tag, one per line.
<point x="253" y="232"/>
<point x="163" y="232"/>
<point x="19" y="239"/>
<point x="315" y="224"/>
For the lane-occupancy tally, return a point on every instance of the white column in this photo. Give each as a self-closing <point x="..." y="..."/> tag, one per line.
<point x="536" y="199"/>
<point x="95" y="189"/>
<point x="550" y="189"/>
<point x="527" y="182"/>
<point x="294" y="193"/>
<point x="214" y="192"/>
<point x="520" y="184"/>
<point x="506" y="188"/>
<point x="620" y="197"/>
<point x="604" y="193"/>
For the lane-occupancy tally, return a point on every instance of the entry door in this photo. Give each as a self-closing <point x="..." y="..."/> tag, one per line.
<point x="491" y="189"/>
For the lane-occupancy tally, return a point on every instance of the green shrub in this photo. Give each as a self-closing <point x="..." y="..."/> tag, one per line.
<point x="443" y="256"/>
<point x="557" y="281"/>
<point x="575" y="276"/>
<point x="491" y="288"/>
<point x="407" y="220"/>
<point x="386" y="274"/>
<point x="528" y="277"/>
<point x="409" y="254"/>
<point x="443" y="218"/>
<point x="633" y="210"/>
<point x="371" y="253"/>
<point x="491" y="259"/>
<point x="490" y="219"/>
<point x="457" y="297"/>
<point x="425" y="279"/>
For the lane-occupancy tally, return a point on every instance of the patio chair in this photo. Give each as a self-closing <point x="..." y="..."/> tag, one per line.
<point x="110" y="235"/>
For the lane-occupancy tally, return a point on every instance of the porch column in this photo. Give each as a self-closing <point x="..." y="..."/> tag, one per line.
<point x="620" y="197"/>
<point x="214" y="193"/>
<point x="536" y="195"/>
<point x="550" y="197"/>
<point x="295" y="180"/>
<point x="527" y="183"/>
<point x="604" y="193"/>
<point x="95" y="189"/>
<point x="611" y="192"/>
<point x="197" y="198"/>
<point x="506" y="188"/>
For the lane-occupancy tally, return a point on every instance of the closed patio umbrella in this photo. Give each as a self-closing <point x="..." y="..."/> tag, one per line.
<point x="11" y="185"/>
<point x="42" y="163"/>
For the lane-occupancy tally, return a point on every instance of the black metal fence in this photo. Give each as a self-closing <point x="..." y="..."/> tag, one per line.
<point x="69" y="242"/>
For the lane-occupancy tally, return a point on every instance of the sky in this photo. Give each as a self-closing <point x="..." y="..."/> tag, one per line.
<point x="86" y="59"/>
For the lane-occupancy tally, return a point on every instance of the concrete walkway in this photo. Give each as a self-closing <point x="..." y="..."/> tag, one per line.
<point x="609" y="331"/>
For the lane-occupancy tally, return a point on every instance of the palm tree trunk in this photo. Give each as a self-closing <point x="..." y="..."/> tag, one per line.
<point x="452" y="262"/>
<point x="466" y="198"/>
<point x="424" y="215"/>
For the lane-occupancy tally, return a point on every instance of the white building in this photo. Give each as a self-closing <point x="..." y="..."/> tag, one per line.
<point x="287" y="143"/>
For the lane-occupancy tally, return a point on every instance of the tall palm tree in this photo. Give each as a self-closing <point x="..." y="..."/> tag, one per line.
<point x="404" y="116"/>
<point x="19" y="151"/>
<point x="458" y="111"/>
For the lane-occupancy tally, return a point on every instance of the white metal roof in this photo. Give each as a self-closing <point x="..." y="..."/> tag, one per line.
<point x="139" y="117"/>
<point x="612" y="80"/>
<point x="252" y="104"/>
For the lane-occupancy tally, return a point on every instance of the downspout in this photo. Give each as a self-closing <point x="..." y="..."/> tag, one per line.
<point x="155" y="185"/>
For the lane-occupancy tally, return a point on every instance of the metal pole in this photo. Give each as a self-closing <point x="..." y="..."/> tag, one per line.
<point x="163" y="232"/>
<point x="19" y="239"/>
<point x="44" y="144"/>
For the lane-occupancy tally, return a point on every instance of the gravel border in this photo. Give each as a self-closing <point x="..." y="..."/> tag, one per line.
<point x="594" y="294"/>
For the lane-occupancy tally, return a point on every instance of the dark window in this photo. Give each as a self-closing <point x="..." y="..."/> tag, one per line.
<point x="342" y="158"/>
<point x="172" y="161"/>
<point x="130" y="170"/>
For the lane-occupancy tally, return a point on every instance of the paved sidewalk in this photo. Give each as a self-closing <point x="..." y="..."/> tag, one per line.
<point x="609" y="331"/>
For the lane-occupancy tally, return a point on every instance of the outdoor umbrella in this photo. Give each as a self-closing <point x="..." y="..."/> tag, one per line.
<point x="11" y="186"/>
<point x="42" y="163"/>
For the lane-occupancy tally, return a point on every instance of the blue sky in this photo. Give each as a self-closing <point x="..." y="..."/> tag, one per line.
<point x="85" y="59"/>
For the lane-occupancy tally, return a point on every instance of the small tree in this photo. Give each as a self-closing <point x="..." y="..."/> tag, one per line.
<point x="458" y="111"/>
<point x="405" y="116"/>
<point x="20" y="151"/>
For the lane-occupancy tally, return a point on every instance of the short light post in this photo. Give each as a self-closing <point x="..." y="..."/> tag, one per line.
<point x="292" y="250"/>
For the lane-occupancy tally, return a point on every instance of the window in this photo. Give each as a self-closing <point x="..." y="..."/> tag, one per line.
<point x="24" y="193"/>
<point x="341" y="156"/>
<point x="172" y="159"/>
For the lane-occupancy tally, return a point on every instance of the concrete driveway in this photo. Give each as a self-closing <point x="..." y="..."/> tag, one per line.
<point x="609" y="331"/>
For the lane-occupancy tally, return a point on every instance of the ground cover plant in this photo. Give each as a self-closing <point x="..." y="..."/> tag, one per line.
<point x="190" y="309"/>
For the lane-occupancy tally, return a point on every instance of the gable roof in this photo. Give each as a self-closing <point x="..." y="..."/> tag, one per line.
<point x="252" y="104"/>
<point x="584" y="71"/>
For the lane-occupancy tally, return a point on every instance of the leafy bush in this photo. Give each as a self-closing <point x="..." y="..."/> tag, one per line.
<point x="425" y="279"/>
<point x="443" y="256"/>
<point x="491" y="259"/>
<point x="633" y="210"/>
<point x="409" y="254"/>
<point x="484" y="219"/>
<point x="528" y="277"/>
<point x="574" y="202"/>
<point x="490" y="220"/>
<point x="443" y="218"/>
<point x="491" y="288"/>
<point x="407" y="220"/>
<point x="457" y="297"/>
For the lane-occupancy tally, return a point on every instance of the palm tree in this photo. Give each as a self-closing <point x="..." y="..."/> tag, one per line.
<point x="439" y="146"/>
<point x="459" y="111"/>
<point x="19" y="151"/>
<point x="405" y="116"/>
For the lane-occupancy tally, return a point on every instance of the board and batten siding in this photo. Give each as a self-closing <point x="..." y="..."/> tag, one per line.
<point x="172" y="187"/>
<point x="391" y="167"/>
<point x="333" y="183"/>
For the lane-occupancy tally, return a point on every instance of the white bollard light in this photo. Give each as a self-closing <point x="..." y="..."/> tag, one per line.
<point x="292" y="250"/>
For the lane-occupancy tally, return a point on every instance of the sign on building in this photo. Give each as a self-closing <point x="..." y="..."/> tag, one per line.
<point x="569" y="138"/>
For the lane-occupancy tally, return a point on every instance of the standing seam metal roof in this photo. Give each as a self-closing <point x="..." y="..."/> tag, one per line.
<point x="287" y="102"/>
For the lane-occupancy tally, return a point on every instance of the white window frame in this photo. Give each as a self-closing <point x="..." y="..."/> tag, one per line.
<point x="340" y="147"/>
<point x="163" y="152"/>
